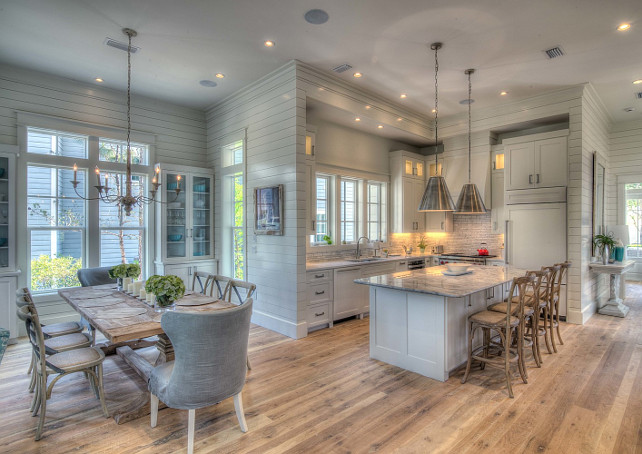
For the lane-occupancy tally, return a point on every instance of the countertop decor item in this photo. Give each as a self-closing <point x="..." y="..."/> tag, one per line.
<point x="167" y="289"/>
<point x="124" y="273"/>
<point x="604" y="243"/>
<point x="174" y="237"/>
<point x="436" y="195"/>
<point x="422" y="244"/>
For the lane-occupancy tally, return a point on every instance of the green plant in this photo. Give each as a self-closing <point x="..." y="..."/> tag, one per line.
<point x="422" y="243"/>
<point x="54" y="272"/>
<point x="327" y="239"/>
<point x="602" y="241"/>
<point x="166" y="288"/>
<point x="125" y="270"/>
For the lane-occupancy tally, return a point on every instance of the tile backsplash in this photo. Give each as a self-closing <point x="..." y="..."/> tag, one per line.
<point x="469" y="231"/>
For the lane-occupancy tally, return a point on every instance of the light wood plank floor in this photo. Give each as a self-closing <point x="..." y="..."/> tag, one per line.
<point x="322" y="394"/>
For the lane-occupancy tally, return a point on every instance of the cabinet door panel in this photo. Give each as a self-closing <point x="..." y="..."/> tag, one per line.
<point x="176" y="220"/>
<point x="409" y="205"/>
<point x="550" y="162"/>
<point x="419" y="217"/>
<point x="519" y="166"/>
<point x="497" y="210"/>
<point x="201" y="241"/>
<point x="349" y="298"/>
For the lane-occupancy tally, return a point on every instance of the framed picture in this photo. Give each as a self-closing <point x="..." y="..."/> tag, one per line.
<point x="268" y="210"/>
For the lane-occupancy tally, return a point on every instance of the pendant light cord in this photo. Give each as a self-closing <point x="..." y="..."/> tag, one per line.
<point x="129" y="121"/>
<point x="470" y="101"/>
<point x="436" y="47"/>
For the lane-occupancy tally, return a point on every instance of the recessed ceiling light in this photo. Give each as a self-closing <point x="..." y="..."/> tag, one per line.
<point x="503" y="93"/>
<point x="208" y="83"/>
<point x="379" y="126"/>
<point x="403" y="96"/>
<point x="98" y="79"/>
<point x="316" y="17"/>
<point x="368" y="107"/>
<point x="357" y="119"/>
<point x="629" y="109"/>
<point x="220" y="75"/>
<point x="637" y="82"/>
<point x="399" y="119"/>
<point x="434" y="110"/>
<point x="269" y="43"/>
<point x="623" y="27"/>
<point x="357" y="75"/>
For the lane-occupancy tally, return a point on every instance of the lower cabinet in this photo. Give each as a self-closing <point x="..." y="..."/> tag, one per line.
<point x="8" y="318"/>
<point x="320" y="298"/>
<point x="349" y="298"/>
<point x="186" y="270"/>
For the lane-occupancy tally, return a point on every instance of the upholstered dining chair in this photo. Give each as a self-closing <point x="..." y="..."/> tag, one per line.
<point x="238" y="292"/>
<point x="208" y="367"/>
<point x="87" y="360"/>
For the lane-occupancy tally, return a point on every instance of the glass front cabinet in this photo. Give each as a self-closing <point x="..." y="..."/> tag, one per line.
<point x="185" y="233"/>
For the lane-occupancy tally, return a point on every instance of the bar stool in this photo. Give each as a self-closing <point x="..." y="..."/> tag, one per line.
<point x="555" y="313"/>
<point x="504" y="324"/>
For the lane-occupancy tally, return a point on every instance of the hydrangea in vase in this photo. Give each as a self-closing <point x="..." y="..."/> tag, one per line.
<point x="124" y="273"/>
<point x="166" y="289"/>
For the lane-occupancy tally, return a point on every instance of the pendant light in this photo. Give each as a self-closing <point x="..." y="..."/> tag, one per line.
<point x="436" y="195"/>
<point x="470" y="200"/>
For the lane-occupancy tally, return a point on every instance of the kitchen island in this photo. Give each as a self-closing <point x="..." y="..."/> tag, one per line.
<point x="418" y="318"/>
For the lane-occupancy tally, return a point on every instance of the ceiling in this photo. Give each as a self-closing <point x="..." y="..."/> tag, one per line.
<point x="183" y="42"/>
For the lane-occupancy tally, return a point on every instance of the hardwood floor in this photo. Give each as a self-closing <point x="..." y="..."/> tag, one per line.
<point x="323" y="394"/>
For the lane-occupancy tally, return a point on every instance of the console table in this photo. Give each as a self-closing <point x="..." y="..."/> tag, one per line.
<point x="614" y="305"/>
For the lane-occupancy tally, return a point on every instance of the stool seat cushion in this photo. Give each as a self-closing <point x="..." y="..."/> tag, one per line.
<point x="492" y="318"/>
<point x="68" y="342"/>
<point x="501" y="307"/>
<point x="76" y="359"/>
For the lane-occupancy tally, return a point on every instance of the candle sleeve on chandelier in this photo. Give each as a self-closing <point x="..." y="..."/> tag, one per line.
<point x="97" y="170"/>
<point x="178" y="181"/>
<point x="75" y="172"/>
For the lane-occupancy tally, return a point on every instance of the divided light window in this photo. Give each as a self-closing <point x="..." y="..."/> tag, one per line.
<point x="348" y="208"/>
<point x="55" y="143"/>
<point x="376" y="211"/>
<point x="633" y="192"/>
<point x="116" y="151"/>
<point x="323" y="208"/>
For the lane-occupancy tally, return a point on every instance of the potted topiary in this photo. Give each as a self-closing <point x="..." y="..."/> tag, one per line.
<point x="605" y="244"/>
<point x="124" y="273"/>
<point x="166" y="289"/>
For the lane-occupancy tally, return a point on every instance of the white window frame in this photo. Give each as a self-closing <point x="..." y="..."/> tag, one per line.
<point x="382" y="210"/>
<point x="94" y="133"/>
<point x="329" y="208"/>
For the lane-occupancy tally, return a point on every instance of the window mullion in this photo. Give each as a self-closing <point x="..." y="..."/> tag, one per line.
<point x="92" y="248"/>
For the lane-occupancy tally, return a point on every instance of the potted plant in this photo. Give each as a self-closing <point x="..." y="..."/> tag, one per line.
<point x="327" y="239"/>
<point x="125" y="273"/>
<point x="422" y="244"/>
<point x="166" y="289"/>
<point x="604" y="243"/>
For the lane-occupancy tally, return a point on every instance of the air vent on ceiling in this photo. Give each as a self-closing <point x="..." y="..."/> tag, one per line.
<point x="119" y="45"/>
<point x="638" y="95"/>
<point x="342" y="68"/>
<point x="554" y="52"/>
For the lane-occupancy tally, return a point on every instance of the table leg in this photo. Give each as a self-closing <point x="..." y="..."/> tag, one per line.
<point x="165" y="348"/>
<point x="614" y="305"/>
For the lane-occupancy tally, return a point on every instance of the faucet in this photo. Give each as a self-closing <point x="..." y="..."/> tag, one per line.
<point x="358" y="242"/>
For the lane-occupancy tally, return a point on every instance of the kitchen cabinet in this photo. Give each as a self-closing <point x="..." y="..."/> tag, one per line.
<point x="186" y="270"/>
<point x="8" y="155"/>
<point x="320" y="298"/>
<point x="536" y="161"/>
<point x="440" y="221"/>
<point x="407" y="185"/>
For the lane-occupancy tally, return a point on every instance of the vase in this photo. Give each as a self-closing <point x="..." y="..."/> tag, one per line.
<point x="164" y="304"/>
<point x="119" y="284"/>
<point x="422" y="250"/>
<point x="606" y="254"/>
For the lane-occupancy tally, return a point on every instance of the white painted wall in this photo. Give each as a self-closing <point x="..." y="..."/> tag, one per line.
<point x="180" y="132"/>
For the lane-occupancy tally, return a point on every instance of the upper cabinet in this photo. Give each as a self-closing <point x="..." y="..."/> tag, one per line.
<point x="537" y="161"/>
<point x="7" y="207"/>
<point x="185" y="223"/>
<point x="407" y="184"/>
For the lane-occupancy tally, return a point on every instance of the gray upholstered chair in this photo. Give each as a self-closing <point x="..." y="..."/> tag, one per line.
<point x="87" y="360"/>
<point x="4" y="340"/>
<point x="95" y="276"/>
<point x="89" y="277"/>
<point x="238" y="292"/>
<point x="210" y="351"/>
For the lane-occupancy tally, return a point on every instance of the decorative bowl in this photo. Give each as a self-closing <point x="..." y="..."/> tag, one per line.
<point x="457" y="267"/>
<point x="174" y="237"/>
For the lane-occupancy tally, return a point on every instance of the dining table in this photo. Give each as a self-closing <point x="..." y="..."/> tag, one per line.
<point x="128" y="324"/>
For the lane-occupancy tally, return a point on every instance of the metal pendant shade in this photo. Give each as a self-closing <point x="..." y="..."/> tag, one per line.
<point x="436" y="195"/>
<point x="470" y="200"/>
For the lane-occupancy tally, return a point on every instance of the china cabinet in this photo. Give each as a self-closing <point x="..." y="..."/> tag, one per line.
<point x="407" y="183"/>
<point x="8" y="271"/>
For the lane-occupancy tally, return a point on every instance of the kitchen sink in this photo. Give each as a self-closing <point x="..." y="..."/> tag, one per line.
<point x="365" y="259"/>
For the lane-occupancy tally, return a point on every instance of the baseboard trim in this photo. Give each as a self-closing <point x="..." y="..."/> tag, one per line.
<point x="578" y="317"/>
<point x="280" y="325"/>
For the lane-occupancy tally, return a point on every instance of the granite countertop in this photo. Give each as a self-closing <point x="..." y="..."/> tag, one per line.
<point x="330" y="264"/>
<point x="432" y="281"/>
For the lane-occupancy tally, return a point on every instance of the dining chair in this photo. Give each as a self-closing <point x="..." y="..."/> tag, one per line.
<point x="555" y="316"/>
<point x="219" y="286"/>
<point x="208" y="367"/>
<point x="88" y="360"/>
<point x="89" y="277"/>
<point x="237" y="292"/>
<point x="201" y="281"/>
<point x="505" y="325"/>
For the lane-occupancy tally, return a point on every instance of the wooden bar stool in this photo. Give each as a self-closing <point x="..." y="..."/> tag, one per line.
<point x="504" y="324"/>
<point x="555" y="314"/>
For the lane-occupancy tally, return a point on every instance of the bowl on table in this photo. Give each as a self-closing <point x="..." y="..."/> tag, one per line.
<point x="457" y="267"/>
<point x="174" y="237"/>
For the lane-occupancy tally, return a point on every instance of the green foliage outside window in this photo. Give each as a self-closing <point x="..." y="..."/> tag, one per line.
<point x="54" y="272"/>
<point x="239" y="243"/>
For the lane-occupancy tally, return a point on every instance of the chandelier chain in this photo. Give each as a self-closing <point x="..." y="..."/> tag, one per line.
<point x="129" y="121"/>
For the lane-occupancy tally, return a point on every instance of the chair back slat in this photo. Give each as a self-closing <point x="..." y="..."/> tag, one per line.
<point x="203" y="279"/>
<point x="242" y="290"/>
<point x="219" y="286"/>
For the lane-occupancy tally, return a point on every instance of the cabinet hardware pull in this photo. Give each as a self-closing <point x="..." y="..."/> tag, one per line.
<point x="530" y="179"/>
<point x="319" y="276"/>
<point x="319" y="314"/>
<point x="537" y="181"/>
<point x="442" y="225"/>
<point x="314" y="227"/>
<point x="319" y="293"/>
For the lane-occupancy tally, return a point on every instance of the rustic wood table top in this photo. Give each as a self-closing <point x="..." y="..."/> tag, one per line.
<point x="122" y="317"/>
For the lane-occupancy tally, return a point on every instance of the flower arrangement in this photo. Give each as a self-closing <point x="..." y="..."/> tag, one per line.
<point x="124" y="270"/>
<point x="422" y="243"/>
<point x="166" y="288"/>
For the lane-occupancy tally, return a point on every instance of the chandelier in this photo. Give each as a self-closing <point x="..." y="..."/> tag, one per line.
<point x="128" y="200"/>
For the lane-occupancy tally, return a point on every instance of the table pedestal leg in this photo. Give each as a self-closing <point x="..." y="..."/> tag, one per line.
<point x="165" y="349"/>
<point x="614" y="305"/>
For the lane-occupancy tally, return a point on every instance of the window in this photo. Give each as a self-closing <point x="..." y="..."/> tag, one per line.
<point x="233" y="246"/>
<point x="323" y="208"/>
<point x="376" y="211"/>
<point x="633" y="194"/>
<point x="66" y="232"/>
<point x="348" y="208"/>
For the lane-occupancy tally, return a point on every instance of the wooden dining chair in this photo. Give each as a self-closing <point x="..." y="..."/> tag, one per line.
<point x="209" y="350"/>
<point x="55" y="329"/>
<point x="219" y="286"/>
<point x="201" y="282"/>
<point x="87" y="360"/>
<point x="555" y="315"/>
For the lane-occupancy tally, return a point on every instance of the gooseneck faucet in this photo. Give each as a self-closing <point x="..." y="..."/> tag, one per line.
<point x="359" y="242"/>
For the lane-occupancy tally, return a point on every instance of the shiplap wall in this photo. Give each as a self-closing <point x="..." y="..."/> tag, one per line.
<point x="180" y="131"/>
<point x="595" y="138"/>
<point x="272" y="111"/>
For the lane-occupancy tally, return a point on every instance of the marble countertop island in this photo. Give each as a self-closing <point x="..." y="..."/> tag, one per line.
<point x="433" y="281"/>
